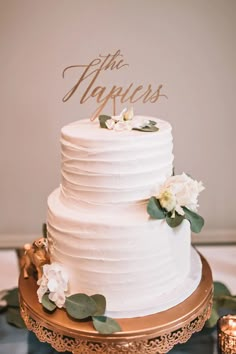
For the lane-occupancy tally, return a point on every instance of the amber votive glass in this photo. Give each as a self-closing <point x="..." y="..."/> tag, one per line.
<point x="227" y="334"/>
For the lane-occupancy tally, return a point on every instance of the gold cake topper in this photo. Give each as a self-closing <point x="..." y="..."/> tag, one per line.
<point x="103" y="95"/>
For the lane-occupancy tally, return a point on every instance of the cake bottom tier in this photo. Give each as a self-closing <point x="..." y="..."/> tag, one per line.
<point x="142" y="266"/>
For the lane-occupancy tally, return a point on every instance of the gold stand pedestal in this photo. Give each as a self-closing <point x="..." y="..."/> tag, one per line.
<point x="154" y="334"/>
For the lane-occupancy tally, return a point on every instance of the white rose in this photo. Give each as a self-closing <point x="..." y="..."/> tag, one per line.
<point x="186" y="191"/>
<point x="54" y="281"/>
<point x="121" y="122"/>
<point x="120" y="126"/>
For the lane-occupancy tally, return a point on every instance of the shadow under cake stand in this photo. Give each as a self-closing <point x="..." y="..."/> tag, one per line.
<point x="153" y="334"/>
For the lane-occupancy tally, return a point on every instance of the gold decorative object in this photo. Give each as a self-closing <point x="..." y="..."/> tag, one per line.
<point x="90" y="73"/>
<point x="35" y="256"/>
<point x="227" y="334"/>
<point x="154" y="334"/>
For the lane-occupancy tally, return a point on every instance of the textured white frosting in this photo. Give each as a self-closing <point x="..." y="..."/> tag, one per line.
<point x="99" y="228"/>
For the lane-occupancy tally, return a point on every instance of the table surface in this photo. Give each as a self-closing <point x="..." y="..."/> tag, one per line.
<point x="20" y="341"/>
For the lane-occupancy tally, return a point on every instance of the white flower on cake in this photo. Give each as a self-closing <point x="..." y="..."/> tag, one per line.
<point x="180" y="191"/>
<point x="54" y="281"/>
<point x="176" y="200"/>
<point x="140" y="122"/>
<point x="53" y="286"/>
<point x="122" y="121"/>
<point x="127" y="121"/>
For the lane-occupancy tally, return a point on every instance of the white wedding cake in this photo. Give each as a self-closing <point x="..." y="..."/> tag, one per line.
<point x="98" y="226"/>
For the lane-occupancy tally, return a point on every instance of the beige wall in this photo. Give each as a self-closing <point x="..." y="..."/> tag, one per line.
<point x="186" y="45"/>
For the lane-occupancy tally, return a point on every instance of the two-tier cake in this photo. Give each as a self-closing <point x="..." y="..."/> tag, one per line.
<point x="98" y="226"/>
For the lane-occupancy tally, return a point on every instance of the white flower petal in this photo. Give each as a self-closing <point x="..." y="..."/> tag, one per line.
<point x="140" y="122"/>
<point x="60" y="300"/>
<point x="41" y="291"/>
<point x="53" y="296"/>
<point x="128" y="114"/>
<point x="110" y="123"/>
<point x="128" y="126"/>
<point x="52" y="285"/>
<point x="179" y="210"/>
<point x="54" y="280"/>
<point x="120" y="126"/>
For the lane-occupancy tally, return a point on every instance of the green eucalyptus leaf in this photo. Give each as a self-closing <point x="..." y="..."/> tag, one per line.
<point x="152" y="122"/>
<point x="154" y="209"/>
<point x="220" y="289"/>
<point x="100" y="301"/>
<point x="105" y="325"/>
<point x="12" y="298"/>
<point x="14" y="318"/>
<point x="212" y="321"/>
<point x="80" y="306"/>
<point x="196" y="221"/>
<point x="48" y="304"/>
<point x="226" y="301"/>
<point x="102" y="119"/>
<point x="147" y="128"/>
<point x="174" y="222"/>
<point x="3" y="293"/>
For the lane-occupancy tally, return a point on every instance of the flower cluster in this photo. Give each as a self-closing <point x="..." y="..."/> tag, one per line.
<point x="127" y="121"/>
<point x="177" y="200"/>
<point x="122" y="121"/>
<point x="178" y="192"/>
<point x="54" y="281"/>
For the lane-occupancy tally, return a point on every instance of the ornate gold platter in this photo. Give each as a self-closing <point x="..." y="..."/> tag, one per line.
<point x="154" y="334"/>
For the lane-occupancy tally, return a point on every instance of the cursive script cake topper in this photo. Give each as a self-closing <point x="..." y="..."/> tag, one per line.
<point x="103" y="95"/>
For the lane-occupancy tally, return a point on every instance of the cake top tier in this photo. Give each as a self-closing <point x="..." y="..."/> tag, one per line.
<point x="102" y="166"/>
<point x="88" y="133"/>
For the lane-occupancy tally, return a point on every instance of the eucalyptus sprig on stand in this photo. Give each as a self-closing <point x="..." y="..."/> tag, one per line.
<point x="9" y="304"/>
<point x="223" y="300"/>
<point x="81" y="307"/>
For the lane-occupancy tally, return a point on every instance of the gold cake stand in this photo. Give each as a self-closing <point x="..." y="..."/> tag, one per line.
<point x="154" y="334"/>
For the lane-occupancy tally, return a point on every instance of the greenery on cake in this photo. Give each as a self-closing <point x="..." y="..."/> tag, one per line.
<point x="177" y="200"/>
<point x="52" y="293"/>
<point x="127" y="121"/>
